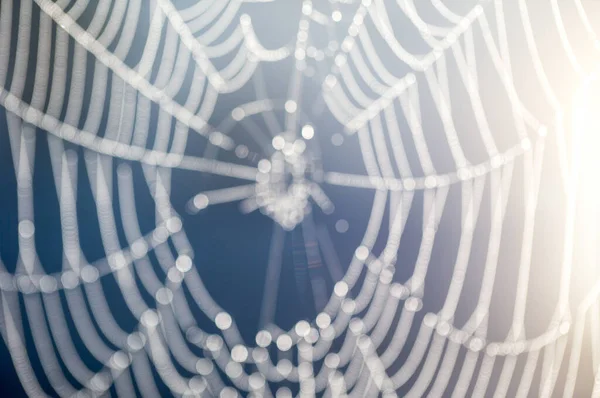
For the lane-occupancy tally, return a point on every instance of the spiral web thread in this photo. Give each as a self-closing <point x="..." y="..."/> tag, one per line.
<point x="368" y="100"/>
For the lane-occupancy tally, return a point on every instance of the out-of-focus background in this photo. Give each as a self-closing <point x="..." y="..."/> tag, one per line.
<point x="232" y="248"/>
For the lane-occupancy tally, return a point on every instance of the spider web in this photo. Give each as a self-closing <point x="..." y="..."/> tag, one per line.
<point x="153" y="75"/>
